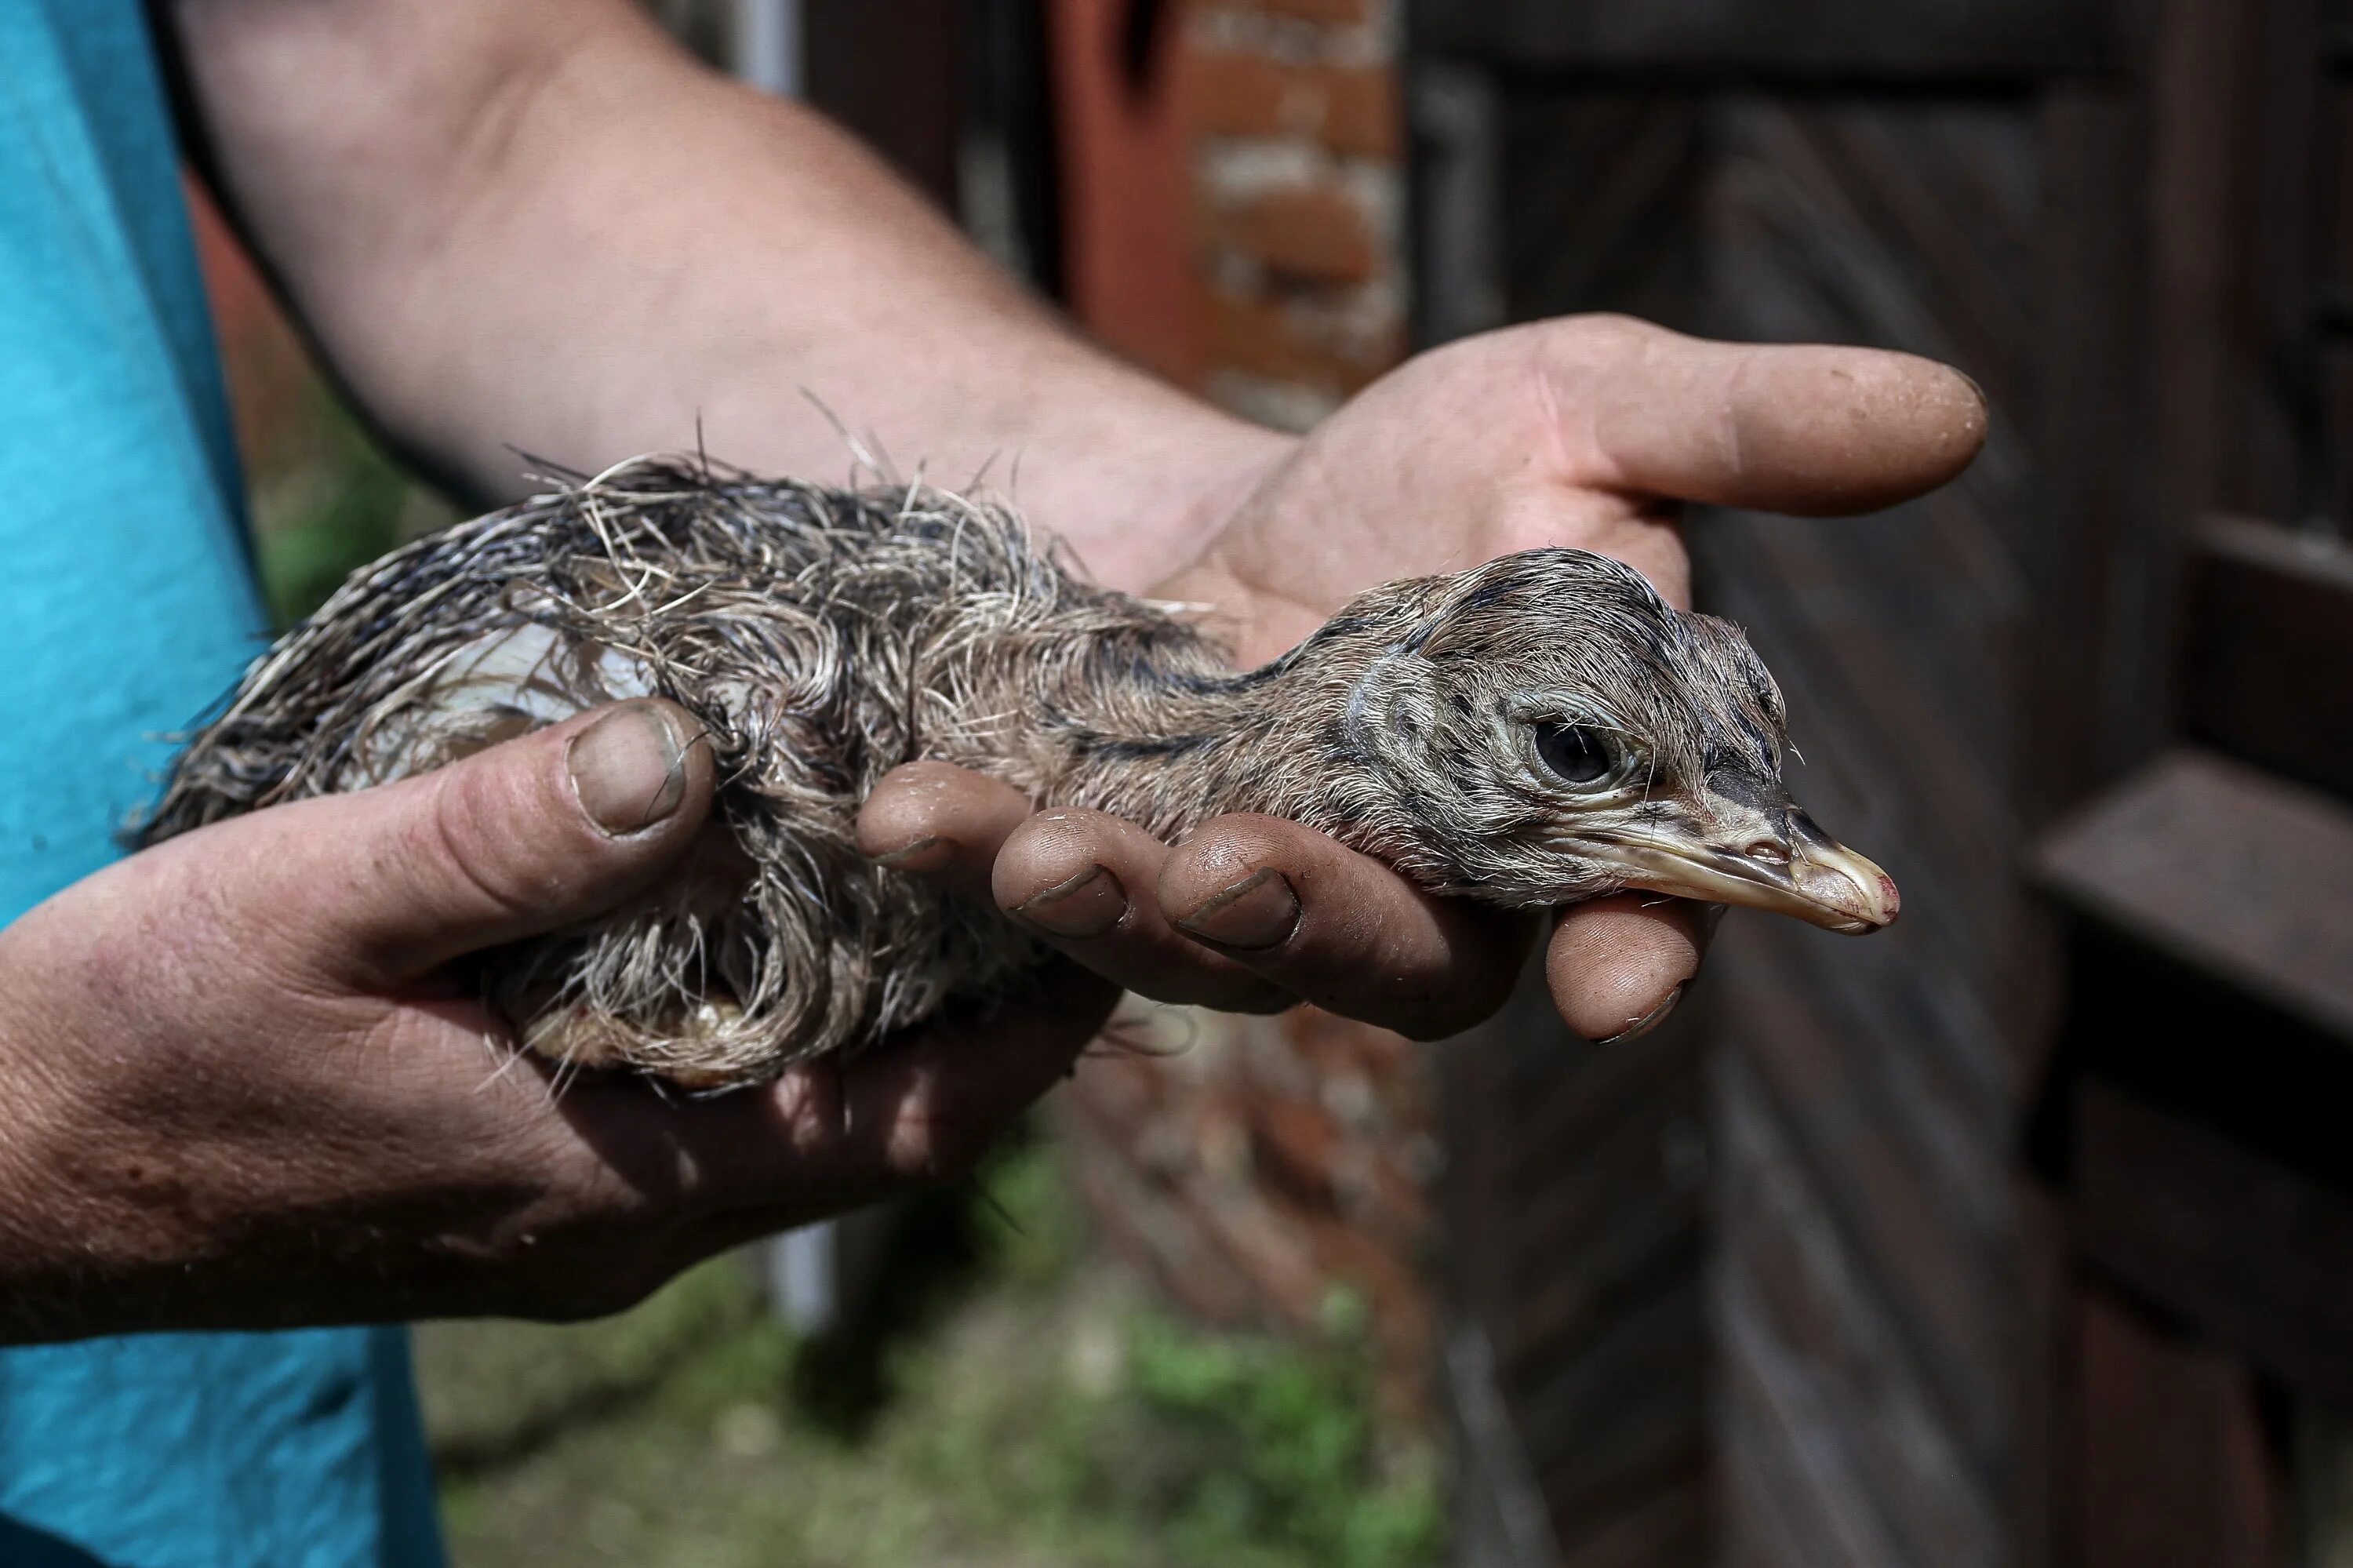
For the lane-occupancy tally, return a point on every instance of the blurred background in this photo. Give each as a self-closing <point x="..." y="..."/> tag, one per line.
<point x="2016" y="1235"/>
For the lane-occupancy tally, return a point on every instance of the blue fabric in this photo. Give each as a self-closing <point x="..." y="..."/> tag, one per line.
<point x="127" y="607"/>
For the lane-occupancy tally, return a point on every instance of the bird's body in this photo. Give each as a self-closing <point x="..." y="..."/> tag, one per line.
<point x="1446" y="724"/>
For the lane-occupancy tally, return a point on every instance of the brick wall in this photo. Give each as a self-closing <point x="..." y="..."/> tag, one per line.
<point x="1265" y="1169"/>
<point x="1256" y="1166"/>
<point x="1290" y="112"/>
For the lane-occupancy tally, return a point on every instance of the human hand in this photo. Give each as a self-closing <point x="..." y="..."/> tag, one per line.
<point x="1586" y="431"/>
<point x="246" y="1087"/>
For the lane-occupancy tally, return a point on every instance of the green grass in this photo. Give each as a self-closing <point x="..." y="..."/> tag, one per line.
<point x="1012" y="1401"/>
<point x="334" y="504"/>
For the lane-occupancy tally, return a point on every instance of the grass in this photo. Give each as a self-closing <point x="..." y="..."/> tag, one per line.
<point x="329" y="501"/>
<point x="1012" y="1400"/>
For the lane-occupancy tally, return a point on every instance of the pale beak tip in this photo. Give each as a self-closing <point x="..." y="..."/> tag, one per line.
<point x="1891" y="901"/>
<point x="1880" y="903"/>
<point x="1854" y="892"/>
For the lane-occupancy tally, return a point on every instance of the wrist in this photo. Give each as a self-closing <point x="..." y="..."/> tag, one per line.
<point x="43" y="1235"/>
<point x="1141" y="489"/>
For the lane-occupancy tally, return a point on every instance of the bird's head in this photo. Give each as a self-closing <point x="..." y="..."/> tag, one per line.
<point x="1545" y="728"/>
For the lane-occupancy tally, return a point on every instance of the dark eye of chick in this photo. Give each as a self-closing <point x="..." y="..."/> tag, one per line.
<point x="1576" y="753"/>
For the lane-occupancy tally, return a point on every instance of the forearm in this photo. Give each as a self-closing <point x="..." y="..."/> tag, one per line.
<point x="541" y="227"/>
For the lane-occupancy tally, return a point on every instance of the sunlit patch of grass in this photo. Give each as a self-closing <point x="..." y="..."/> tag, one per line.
<point x="334" y="502"/>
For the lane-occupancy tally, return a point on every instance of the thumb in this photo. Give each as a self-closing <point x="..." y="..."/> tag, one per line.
<point x="528" y="836"/>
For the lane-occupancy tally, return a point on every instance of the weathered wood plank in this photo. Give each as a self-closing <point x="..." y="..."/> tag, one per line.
<point x="1574" y="1259"/>
<point x="1912" y="1197"/>
<point x="2171" y="1467"/>
<point x="2269" y="667"/>
<point x="2226" y="870"/>
<point x="1805" y="1320"/>
<point x="2256" y="1252"/>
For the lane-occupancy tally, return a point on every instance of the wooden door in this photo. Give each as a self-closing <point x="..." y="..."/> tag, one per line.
<point x="1831" y="1355"/>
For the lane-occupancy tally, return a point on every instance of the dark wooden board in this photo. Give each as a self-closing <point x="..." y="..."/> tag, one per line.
<point x="896" y="75"/>
<point x="1969" y="180"/>
<point x="2268" y="672"/>
<point x="1572" y="1260"/>
<point x="2170" y="1463"/>
<point x="1845" y="38"/>
<point x="2256" y="1252"/>
<point x="2226" y="871"/>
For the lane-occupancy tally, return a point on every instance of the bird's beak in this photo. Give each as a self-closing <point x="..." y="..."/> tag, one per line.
<point x="1790" y="867"/>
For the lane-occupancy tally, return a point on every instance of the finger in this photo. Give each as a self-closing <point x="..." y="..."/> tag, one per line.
<point x="1618" y="966"/>
<point x="1084" y="882"/>
<point x="832" y="1135"/>
<point x="1339" y="928"/>
<point x="536" y="834"/>
<point x="1811" y="429"/>
<point x="935" y="819"/>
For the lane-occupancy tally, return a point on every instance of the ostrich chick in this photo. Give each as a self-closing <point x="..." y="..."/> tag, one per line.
<point x="1537" y="730"/>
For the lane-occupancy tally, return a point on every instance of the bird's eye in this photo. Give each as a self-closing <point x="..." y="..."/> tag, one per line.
<point x="1576" y="753"/>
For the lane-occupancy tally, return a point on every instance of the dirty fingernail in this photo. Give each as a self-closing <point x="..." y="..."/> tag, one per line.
<point x="924" y="854"/>
<point x="1648" y="1021"/>
<point x="628" y="769"/>
<point x="1086" y="904"/>
<point x="1259" y="911"/>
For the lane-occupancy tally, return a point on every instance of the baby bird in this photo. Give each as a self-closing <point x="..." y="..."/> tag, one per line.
<point x="1537" y="730"/>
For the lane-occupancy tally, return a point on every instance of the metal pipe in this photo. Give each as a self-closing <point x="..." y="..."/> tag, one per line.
<point x="764" y="46"/>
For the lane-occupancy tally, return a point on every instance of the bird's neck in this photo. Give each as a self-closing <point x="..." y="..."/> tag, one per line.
<point x="1167" y="742"/>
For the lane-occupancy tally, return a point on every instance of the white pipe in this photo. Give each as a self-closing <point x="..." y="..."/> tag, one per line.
<point x="766" y="46"/>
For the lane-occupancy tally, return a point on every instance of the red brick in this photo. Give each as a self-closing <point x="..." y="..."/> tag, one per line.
<point x="1351" y="109"/>
<point x="1291" y="1144"/>
<point x="1248" y="1190"/>
<point x="1330" y="1041"/>
<point x="1121" y="1092"/>
<point x="1257" y="336"/>
<point x="1404" y="1331"/>
<point x="1309" y="232"/>
<point x="1404" y="1205"/>
<point x="1158" y="1230"/>
<point x="1270" y="1249"/>
<point x="1361" y="116"/>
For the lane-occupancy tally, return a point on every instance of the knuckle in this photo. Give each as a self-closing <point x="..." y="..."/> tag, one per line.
<point x="470" y="826"/>
<point x="1611" y="333"/>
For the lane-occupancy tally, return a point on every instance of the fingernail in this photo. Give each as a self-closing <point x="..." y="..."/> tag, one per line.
<point x="924" y="855"/>
<point x="1259" y="911"/>
<point x="628" y="769"/>
<point x="1648" y="1021"/>
<point x="1086" y="904"/>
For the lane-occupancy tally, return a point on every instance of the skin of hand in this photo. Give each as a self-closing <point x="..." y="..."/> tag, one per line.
<point x="405" y="167"/>
<point x="1583" y="432"/>
<point x="248" y="1084"/>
